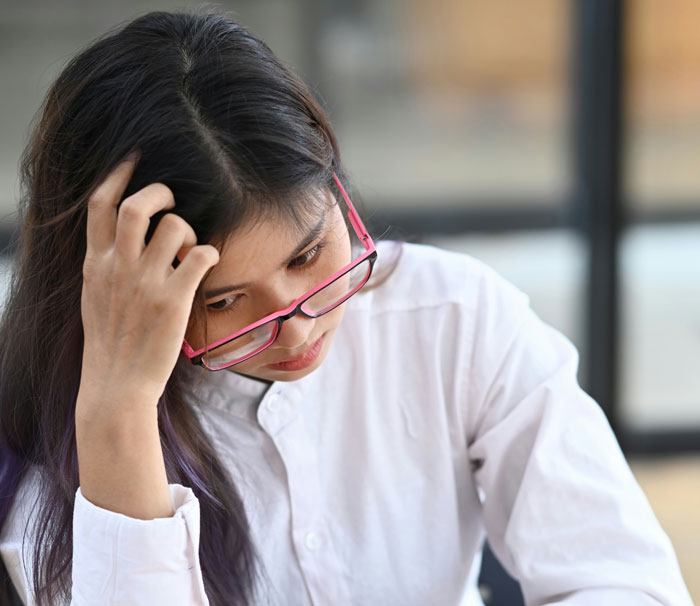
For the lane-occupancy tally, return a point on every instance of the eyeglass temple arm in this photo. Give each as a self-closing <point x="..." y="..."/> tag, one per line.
<point x="187" y="348"/>
<point x="353" y="216"/>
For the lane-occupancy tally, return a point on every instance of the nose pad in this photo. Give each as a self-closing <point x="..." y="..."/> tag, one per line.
<point x="295" y="332"/>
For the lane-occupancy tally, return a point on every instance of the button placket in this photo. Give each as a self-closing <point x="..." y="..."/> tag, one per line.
<point x="316" y="556"/>
<point x="275" y="413"/>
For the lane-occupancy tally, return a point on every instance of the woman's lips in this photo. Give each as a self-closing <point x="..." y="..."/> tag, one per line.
<point x="302" y="361"/>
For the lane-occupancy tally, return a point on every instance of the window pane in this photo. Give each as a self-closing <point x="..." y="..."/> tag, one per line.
<point x="452" y="101"/>
<point x="428" y="103"/>
<point x="663" y="97"/>
<point x="660" y="322"/>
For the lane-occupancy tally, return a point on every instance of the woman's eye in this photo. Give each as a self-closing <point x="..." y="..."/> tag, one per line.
<point x="306" y="258"/>
<point x="224" y="304"/>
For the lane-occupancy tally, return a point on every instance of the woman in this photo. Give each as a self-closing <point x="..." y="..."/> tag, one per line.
<point x="186" y="420"/>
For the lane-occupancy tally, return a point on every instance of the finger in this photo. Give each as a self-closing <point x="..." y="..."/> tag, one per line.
<point x="191" y="271"/>
<point x="102" y="204"/>
<point x="134" y="218"/>
<point x="172" y="234"/>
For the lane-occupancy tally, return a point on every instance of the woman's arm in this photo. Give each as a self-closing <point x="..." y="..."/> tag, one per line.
<point x="120" y="560"/>
<point x="135" y="309"/>
<point x="120" y="458"/>
<point x="562" y="510"/>
<point x="135" y="539"/>
<point x="116" y="559"/>
<point x="128" y="547"/>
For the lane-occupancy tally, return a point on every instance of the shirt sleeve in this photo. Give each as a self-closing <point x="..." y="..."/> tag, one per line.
<point x="562" y="509"/>
<point x="120" y="561"/>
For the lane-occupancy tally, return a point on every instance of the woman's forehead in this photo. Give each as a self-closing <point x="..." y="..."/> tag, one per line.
<point x="261" y="247"/>
<point x="292" y="217"/>
<point x="274" y="233"/>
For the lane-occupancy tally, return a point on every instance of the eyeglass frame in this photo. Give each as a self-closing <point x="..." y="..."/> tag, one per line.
<point x="197" y="356"/>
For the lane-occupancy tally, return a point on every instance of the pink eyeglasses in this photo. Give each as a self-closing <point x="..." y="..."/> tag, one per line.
<point x="323" y="298"/>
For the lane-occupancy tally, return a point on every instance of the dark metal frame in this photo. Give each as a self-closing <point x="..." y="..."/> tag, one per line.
<point x="598" y="133"/>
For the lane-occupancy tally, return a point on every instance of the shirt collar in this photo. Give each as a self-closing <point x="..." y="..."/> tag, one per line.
<point x="225" y="389"/>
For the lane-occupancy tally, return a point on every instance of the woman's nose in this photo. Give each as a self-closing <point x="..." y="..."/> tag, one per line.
<point x="295" y="332"/>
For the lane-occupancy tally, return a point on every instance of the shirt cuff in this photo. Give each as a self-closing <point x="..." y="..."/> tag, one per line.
<point x="122" y="560"/>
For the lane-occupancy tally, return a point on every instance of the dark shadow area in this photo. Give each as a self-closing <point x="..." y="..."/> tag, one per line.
<point x="497" y="587"/>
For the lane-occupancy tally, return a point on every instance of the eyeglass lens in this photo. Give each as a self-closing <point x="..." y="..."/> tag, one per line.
<point x="258" y="339"/>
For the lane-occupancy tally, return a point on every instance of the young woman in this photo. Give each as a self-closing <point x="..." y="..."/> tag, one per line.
<point x="208" y="395"/>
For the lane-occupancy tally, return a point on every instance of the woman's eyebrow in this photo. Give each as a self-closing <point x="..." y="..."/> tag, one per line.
<point x="313" y="233"/>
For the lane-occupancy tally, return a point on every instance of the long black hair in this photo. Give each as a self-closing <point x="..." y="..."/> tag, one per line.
<point x="234" y="134"/>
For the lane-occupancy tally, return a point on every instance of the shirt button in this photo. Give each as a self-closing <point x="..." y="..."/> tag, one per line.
<point x="273" y="404"/>
<point x="312" y="541"/>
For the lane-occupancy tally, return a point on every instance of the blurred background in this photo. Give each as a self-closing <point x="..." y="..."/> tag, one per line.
<point x="556" y="140"/>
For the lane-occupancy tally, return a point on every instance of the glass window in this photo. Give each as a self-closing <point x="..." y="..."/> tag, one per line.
<point x="660" y="327"/>
<point x="451" y="102"/>
<point x="660" y="289"/>
<point x="663" y="97"/>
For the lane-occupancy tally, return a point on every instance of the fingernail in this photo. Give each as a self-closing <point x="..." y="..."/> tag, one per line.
<point x="133" y="156"/>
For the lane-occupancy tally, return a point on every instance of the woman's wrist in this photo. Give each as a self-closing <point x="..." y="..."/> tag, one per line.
<point x="120" y="458"/>
<point x="100" y="403"/>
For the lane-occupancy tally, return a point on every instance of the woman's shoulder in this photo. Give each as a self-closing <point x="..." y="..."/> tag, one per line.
<point x="413" y="276"/>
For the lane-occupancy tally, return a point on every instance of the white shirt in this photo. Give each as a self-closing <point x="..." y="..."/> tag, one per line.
<point x="445" y="410"/>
